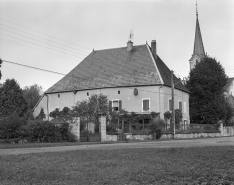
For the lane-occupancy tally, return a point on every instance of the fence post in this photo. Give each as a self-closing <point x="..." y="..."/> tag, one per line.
<point x="75" y="127"/>
<point x="221" y="127"/>
<point x="102" y="121"/>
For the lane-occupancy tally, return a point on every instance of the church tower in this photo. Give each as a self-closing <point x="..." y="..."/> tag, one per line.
<point x="198" y="50"/>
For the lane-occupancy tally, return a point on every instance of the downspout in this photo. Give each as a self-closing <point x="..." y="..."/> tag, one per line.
<point x="47" y="106"/>
<point x="160" y="99"/>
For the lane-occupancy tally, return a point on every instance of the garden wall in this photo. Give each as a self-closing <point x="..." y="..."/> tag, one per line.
<point x="191" y="135"/>
<point x="139" y="137"/>
<point x="111" y="137"/>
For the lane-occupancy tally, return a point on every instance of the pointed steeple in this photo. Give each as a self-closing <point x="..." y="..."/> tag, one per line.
<point x="198" y="44"/>
<point x="198" y="50"/>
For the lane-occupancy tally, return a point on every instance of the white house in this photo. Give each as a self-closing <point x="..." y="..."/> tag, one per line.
<point x="133" y="78"/>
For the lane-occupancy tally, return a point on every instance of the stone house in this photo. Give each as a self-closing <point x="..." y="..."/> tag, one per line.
<point x="133" y="77"/>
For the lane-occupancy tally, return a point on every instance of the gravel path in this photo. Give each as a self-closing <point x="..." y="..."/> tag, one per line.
<point x="152" y="144"/>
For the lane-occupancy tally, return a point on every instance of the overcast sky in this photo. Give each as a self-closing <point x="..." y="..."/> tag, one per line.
<point x="57" y="35"/>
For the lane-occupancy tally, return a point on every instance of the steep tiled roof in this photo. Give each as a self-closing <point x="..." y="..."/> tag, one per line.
<point x="111" y="68"/>
<point x="166" y="75"/>
<point x="117" y="67"/>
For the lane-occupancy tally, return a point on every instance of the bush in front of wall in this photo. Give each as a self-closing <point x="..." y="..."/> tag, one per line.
<point x="45" y="131"/>
<point x="156" y="126"/>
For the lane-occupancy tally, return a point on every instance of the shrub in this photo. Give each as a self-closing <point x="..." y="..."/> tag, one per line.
<point x="10" y="127"/>
<point x="45" y="131"/>
<point x="156" y="127"/>
<point x="110" y="129"/>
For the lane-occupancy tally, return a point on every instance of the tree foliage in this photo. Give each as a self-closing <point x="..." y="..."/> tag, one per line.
<point x="41" y="115"/>
<point x="206" y="82"/>
<point x="178" y="116"/>
<point x="64" y="115"/>
<point x="32" y="94"/>
<point x="91" y="109"/>
<point x="11" y="99"/>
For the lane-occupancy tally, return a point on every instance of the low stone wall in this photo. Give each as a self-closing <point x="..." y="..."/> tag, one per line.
<point x="138" y="137"/>
<point x="164" y="136"/>
<point x="111" y="137"/>
<point x="192" y="135"/>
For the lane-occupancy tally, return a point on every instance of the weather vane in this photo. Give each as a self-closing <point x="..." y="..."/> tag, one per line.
<point x="131" y="36"/>
<point x="196" y="9"/>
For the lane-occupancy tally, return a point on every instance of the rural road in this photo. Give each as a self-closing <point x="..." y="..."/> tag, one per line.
<point x="151" y="144"/>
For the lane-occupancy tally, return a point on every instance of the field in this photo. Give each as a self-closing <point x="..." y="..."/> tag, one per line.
<point x="39" y="145"/>
<point x="197" y="165"/>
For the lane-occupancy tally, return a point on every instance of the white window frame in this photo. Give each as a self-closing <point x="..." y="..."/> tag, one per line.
<point x="142" y="104"/>
<point x="169" y="104"/>
<point x="112" y="103"/>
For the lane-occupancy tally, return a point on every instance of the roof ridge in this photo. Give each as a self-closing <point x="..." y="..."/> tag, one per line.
<point x="118" y="48"/>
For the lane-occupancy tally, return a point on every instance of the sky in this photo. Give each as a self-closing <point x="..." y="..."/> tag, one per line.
<point x="57" y="35"/>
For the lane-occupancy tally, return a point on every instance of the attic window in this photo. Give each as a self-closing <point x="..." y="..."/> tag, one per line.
<point x="87" y="94"/>
<point x="118" y="92"/>
<point x="58" y="95"/>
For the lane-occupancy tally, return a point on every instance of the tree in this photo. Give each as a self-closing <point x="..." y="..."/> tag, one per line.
<point x="207" y="103"/>
<point x="63" y="115"/>
<point x="178" y="116"/>
<point x="92" y="108"/>
<point x="41" y="115"/>
<point x="32" y="94"/>
<point x="11" y="99"/>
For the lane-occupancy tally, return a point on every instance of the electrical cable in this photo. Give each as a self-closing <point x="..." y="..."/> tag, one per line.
<point x="40" y="38"/>
<point x="41" y="45"/>
<point x="46" y="43"/>
<point x="39" y="49"/>
<point x="44" y="34"/>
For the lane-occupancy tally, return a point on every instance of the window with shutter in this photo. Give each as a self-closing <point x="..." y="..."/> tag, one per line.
<point x="180" y="106"/>
<point x="116" y="105"/>
<point x="145" y="104"/>
<point x="170" y="105"/>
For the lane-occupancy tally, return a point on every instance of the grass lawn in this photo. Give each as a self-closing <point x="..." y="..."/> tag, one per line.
<point x="198" y="165"/>
<point x="38" y="145"/>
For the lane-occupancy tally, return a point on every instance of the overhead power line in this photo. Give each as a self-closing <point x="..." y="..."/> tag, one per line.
<point x="43" y="42"/>
<point x="38" y="49"/>
<point x="45" y="34"/>
<point x="58" y="73"/>
<point x="43" y="38"/>
<point x="41" y="45"/>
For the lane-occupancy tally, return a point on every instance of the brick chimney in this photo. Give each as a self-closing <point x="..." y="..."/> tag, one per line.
<point x="153" y="48"/>
<point x="129" y="45"/>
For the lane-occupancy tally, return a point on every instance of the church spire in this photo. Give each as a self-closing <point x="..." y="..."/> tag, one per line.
<point x="198" y="50"/>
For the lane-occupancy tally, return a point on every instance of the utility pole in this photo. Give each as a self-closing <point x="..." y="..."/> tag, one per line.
<point x="172" y="105"/>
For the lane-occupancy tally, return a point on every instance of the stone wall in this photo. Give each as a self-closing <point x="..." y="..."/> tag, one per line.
<point x="75" y="127"/>
<point x="111" y="137"/>
<point x="189" y="136"/>
<point x="138" y="137"/>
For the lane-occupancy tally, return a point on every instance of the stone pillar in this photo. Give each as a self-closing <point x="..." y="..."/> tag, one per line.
<point x="220" y="127"/>
<point x="75" y="127"/>
<point x="102" y="130"/>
